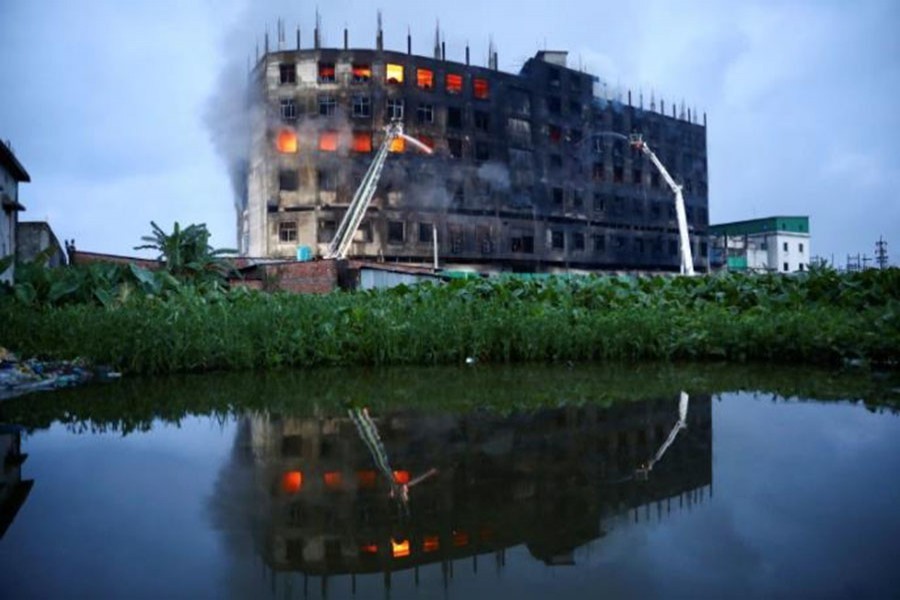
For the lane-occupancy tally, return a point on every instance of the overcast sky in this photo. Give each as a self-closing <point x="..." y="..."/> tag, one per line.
<point x="106" y="102"/>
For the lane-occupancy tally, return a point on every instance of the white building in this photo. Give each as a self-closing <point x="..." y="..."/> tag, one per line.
<point x="771" y="244"/>
<point x="11" y="174"/>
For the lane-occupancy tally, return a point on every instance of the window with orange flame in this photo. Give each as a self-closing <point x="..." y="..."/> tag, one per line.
<point x="425" y="78"/>
<point x="460" y="538"/>
<point x="365" y="479"/>
<point x="361" y="73"/>
<point x="292" y="481"/>
<point x="328" y="141"/>
<point x="431" y="543"/>
<point x="427" y="140"/>
<point x="480" y="88"/>
<point x="326" y="72"/>
<point x="398" y="144"/>
<point x="401" y="477"/>
<point x="394" y="73"/>
<point x="362" y="141"/>
<point x="369" y="549"/>
<point x="400" y="549"/>
<point x="454" y="83"/>
<point x="286" y="141"/>
<point x="333" y="480"/>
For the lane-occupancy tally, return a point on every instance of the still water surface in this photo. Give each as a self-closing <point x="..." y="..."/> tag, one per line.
<point x="548" y="490"/>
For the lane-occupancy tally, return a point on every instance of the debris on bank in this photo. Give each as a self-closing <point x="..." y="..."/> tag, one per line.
<point x="19" y="377"/>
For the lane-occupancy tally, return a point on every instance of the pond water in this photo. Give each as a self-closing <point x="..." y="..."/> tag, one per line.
<point x="448" y="483"/>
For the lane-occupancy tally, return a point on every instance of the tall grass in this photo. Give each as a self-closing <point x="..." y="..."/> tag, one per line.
<point x="820" y="318"/>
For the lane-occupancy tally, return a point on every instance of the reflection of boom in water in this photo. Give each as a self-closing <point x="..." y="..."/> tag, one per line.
<point x="643" y="472"/>
<point x="368" y="431"/>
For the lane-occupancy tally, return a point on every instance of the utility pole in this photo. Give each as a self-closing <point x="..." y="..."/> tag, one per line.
<point x="881" y="255"/>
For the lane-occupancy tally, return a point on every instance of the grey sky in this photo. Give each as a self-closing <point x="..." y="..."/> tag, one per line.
<point x="104" y="101"/>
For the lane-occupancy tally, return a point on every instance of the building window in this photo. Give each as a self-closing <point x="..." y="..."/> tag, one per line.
<point x="553" y="77"/>
<point x="704" y="249"/>
<point x="454" y="145"/>
<point x="578" y="241"/>
<point x="673" y="247"/>
<point x="637" y="176"/>
<point x="654" y="180"/>
<point x="394" y="73"/>
<point x="328" y="141"/>
<point x="288" y="109"/>
<point x="287" y="73"/>
<point x="362" y="141"/>
<point x="326" y="73"/>
<point x="801" y="267"/>
<point x="554" y="105"/>
<point x="327" y="105"/>
<point x="555" y="134"/>
<point x="785" y="248"/>
<point x="575" y="108"/>
<point x="519" y="131"/>
<point x="425" y="113"/>
<point x="326" y="231"/>
<point x="599" y="202"/>
<point x="556" y="161"/>
<point x="425" y="79"/>
<point x="800" y="247"/>
<point x="426" y="140"/>
<point x="286" y="141"/>
<point x="425" y="232"/>
<point x="482" y="120"/>
<point x="577" y="199"/>
<point x="361" y="73"/>
<point x="557" y="196"/>
<point x="396" y="232"/>
<point x="287" y="231"/>
<point x="557" y="240"/>
<point x="454" y="117"/>
<point x="454" y="83"/>
<point x="288" y="180"/>
<point x="598" y="171"/>
<point x="482" y="151"/>
<point x="395" y="109"/>
<point x="599" y="243"/>
<point x="522" y="243"/>
<point x="618" y="174"/>
<point x="785" y="267"/>
<point x="362" y="106"/>
<point x="639" y="245"/>
<point x="327" y="180"/>
<point x="480" y="88"/>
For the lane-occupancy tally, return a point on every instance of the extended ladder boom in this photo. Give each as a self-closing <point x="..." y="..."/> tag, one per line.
<point x="687" y="257"/>
<point x="366" y="190"/>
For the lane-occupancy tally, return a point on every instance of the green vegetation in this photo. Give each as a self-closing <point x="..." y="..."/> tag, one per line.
<point x="134" y="403"/>
<point x="818" y="318"/>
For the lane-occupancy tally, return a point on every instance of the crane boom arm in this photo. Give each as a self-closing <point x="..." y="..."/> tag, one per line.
<point x="687" y="257"/>
<point x="366" y="191"/>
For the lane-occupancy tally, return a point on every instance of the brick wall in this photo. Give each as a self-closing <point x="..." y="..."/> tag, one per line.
<point x="313" y="277"/>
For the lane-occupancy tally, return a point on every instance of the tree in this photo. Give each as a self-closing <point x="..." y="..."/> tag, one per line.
<point x="186" y="253"/>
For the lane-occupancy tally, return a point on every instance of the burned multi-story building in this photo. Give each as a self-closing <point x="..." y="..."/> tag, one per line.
<point x="526" y="173"/>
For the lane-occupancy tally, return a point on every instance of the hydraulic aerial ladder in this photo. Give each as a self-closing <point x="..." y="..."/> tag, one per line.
<point x="687" y="258"/>
<point x="366" y="190"/>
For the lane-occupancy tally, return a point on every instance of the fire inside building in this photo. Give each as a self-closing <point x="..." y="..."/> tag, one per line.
<point x="529" y="172"/>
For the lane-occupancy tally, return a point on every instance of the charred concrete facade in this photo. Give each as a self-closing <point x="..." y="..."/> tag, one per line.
<point x="524" y="175"/>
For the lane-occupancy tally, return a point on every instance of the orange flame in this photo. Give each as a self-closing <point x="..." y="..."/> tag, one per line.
<point x="480" y="88"/>
<point x="454" y="83"/>
<point x="333" y="480"/>
<point x="369" y="549"/>
<point x="400" y="549"/>
<point x="365" y="479"/>
<point x="362" y="141"/>
<point x="401" y="477"/>
<point x="431" y="543"/>
<point x="286" y="142"/>
<point x="398" y="144"/>
<point x="460" y="538"/>
<point x="425" y="78"/>
<point x="292" y="481"/>
<point x="328" y="141"/>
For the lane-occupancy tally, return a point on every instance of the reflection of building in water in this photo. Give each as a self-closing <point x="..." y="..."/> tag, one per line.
<point x="13" y="490"/>
<point x="550" y="480"/>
